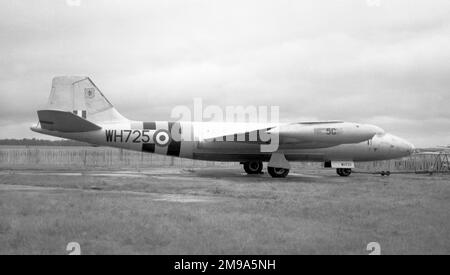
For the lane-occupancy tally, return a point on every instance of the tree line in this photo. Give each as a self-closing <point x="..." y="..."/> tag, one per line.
<point x="41" y="142"/>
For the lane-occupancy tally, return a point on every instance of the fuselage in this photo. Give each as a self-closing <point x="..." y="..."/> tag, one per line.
<point x="78" y="110"/>
<point x="196" y="141"/>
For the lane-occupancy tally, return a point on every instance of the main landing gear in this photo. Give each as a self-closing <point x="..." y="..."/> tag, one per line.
<point x="256" y="167"/>
<point x="344" y="172"/>
<point x="278" y="172"/>
<point x="253" y="167"/>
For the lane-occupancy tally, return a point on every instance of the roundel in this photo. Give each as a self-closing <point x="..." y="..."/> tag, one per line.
<point x="161" y="137"/>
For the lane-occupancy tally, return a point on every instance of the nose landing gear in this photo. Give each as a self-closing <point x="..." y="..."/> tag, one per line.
<point x="344" y="172"/>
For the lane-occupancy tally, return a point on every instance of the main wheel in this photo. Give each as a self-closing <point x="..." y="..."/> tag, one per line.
<point x="278" y="172"/>
<point x="253" y="167"/>
<point x="344" y="172"/>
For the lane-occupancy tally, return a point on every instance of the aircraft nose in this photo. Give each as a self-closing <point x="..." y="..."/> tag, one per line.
<point x="410" y="147"/>
<point x="406" y="146"/>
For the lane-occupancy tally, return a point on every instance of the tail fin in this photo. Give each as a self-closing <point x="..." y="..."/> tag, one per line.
<point x="78" y="95"/>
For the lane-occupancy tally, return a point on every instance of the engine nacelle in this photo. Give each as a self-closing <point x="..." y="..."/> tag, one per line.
<point x="325" y="134"/>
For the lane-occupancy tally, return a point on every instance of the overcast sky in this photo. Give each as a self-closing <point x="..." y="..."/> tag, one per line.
<point x="375" y="61"/>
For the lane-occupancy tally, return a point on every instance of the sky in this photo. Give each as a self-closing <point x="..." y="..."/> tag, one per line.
<point x="370" y="61"/>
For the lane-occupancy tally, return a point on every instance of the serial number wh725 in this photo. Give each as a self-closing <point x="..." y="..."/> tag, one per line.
<point x="134" y="136"/>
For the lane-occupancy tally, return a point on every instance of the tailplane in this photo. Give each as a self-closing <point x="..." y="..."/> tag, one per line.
<point x="76" y="104"/>
<point x="65" y="122"/>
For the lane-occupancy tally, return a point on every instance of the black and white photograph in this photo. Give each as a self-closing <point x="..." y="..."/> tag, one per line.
<point x="241" y="130"/>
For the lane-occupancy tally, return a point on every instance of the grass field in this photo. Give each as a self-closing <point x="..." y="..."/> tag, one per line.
<point x="173" y="210"/>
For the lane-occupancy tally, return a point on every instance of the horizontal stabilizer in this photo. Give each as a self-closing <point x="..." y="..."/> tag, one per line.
<point x="68" y="122"/>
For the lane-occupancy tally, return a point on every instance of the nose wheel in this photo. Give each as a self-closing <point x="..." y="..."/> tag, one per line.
<point x="344" y="172"/>
<point x="253" y="167"/>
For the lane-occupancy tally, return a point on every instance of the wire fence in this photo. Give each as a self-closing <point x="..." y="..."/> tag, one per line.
<point x="90" y="157"/>
<point x="41" y="157"/>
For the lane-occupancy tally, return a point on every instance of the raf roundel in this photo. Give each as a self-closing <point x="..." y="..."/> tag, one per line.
<point x="161" y="137"/>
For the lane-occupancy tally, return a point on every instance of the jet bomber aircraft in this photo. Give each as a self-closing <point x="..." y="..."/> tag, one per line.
<point x="78" y="110"/>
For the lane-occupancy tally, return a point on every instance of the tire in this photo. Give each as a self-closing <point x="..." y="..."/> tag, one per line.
<point x="344" y="172"/>
<point x="385" y="173"/>
<point x="277" y="172"/>
<point x="253" y="167"/>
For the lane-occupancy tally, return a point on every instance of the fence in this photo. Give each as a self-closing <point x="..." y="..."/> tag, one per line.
<point x="40" y="157"/>
<point x="89" y="157"/>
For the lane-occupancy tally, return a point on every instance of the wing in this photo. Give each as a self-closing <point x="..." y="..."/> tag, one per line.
<point x="260" y="136"/>
<point x="302" y="135"/>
